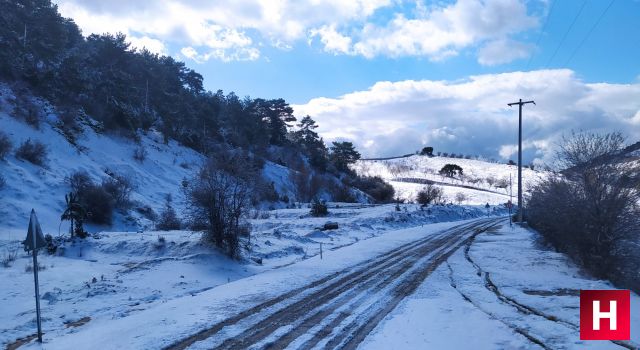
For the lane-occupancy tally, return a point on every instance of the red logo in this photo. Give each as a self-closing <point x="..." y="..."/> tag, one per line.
<point x="605" y="315"/>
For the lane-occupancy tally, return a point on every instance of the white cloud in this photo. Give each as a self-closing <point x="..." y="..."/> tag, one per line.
<point x="242" y="54"/>
<point x="153" y="45"/>
<point x="333" y="41"/>
<point x="471" y="116"/>
<point x="443" y="31"/>
<point x="502" y="51"/>
<point x="234" y="29"/>
<point x="216" y="27"/>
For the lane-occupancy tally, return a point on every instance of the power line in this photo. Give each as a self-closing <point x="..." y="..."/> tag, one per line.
<point x="589" y="32"/>
<point x="544" y="27"/>
<point x="566" y="33"/>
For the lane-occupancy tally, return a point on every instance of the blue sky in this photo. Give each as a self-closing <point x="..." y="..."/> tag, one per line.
<point x="395" y="75"/>
<point x="611" y="53"/>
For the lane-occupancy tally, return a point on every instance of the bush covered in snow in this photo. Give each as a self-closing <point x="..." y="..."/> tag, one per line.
<point x="34" y="152"/>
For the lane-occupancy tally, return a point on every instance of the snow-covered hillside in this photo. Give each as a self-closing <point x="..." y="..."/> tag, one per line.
<point x="482" y="182"/>
<point x="100" y="155"/>
<point x="43" y="188"/>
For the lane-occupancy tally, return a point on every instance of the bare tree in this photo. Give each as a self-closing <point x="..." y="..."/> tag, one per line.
<point x="430" y="194"/>
<point x="583" y="149"/>
<point x="460" y="197"/>
<point x="591" y="209"/>
<point x="502" y="183"/>
<point x="218" y="202"/>
<point x="490" y="180"/>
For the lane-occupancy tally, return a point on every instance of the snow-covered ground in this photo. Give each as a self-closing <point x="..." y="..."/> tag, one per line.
<point x="503" y="290"/>
<point x="408" y="191"/>
<point x="114" y="275"/>
<point x="519" y="294"/>
<point x="481" y="175"/>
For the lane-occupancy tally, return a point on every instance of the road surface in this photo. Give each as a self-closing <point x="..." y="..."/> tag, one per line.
<point x="339" y="310"/>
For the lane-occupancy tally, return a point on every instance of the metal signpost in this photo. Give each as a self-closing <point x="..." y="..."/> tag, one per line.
<point x="35" y="240"/>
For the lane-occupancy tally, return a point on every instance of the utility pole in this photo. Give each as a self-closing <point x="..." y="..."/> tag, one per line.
<point x="520" y="104"/>
<point x="510" y="200"/>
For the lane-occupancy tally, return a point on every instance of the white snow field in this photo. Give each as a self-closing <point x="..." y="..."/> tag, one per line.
<point x="479" y="183"/>
<point x="504" y="291"/>
<point x="140" y="271"/>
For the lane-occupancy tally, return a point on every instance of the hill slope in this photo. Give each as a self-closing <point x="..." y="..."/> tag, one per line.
<point x="482" y="182"/>
<point x="100" y="155"/>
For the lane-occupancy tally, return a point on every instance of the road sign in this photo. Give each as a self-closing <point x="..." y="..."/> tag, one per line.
<point x="35" y="240"/>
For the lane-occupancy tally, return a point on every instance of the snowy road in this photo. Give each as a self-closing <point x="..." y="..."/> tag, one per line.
<point x="339" y="310"/>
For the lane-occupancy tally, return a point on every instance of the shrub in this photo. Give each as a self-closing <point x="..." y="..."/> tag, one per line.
<point x="140" y="154"/>
<point x="52" y="245"/>
<point x="99" y="205"/>
<point x="430" y="194"/>
<point x="591" y="210"/>
<point x="218" y="202"/>
<point x="168" y="218"/>
<point x="460" y="197"/>
<point x="79" y="181"/>
<point x="342" y="193"/>
<point x="8" y="257"/>
<point x="120" y="188"/>
<point x="376" y="187"/>
<point x="319" y="208"/>
<point x="147" y="212"/>
<point x="161" y="243"/>
<point x="267" y="191"/>
<point x="34" y="152"/>
<point x="5" y="145"/>
<point x="100" y="200"/>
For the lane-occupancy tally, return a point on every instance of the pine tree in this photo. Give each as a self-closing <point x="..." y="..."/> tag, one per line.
<point x="311" y="143"/>
<point x="343" y="154"/>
